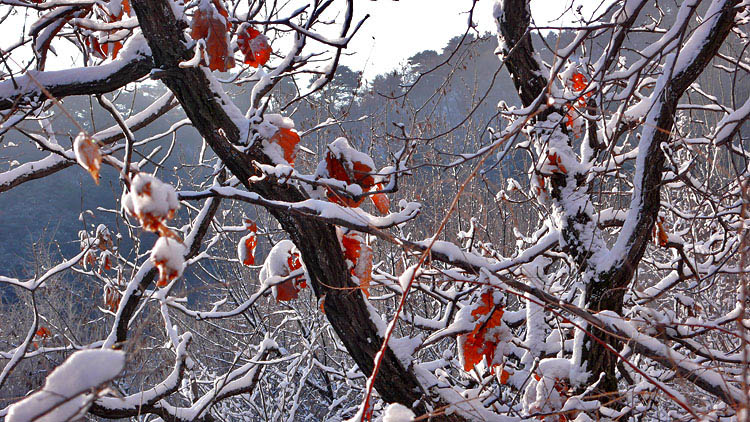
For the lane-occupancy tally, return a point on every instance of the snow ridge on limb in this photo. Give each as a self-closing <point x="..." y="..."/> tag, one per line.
<point x="214" y="120"/>
<point x="53" y="162"/>
<point x="123" y="407"/>
<point x="71" y="388"/>
<point x="133" y="63"/>
<point x="605" y="274"/>
<point x="702" y="376"/>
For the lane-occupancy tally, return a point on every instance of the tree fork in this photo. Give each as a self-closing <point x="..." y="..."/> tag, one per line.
<point x="317" y="241"/>
<point x="606" y="291"/>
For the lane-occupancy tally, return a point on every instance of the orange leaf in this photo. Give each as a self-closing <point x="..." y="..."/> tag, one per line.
<point x="246" y="248"/>
<point x="254" y="46"/>
<point x="556" y="161"/>
<point x="350" y="173"/>
<point x="351" y="247"/>
<point x="166" y="274"/>
<point x="116" y="47"/>
<point x="287" y="139"/>
<point x="43" y="332"/>
<point x="579" y="82"/>
<point x="250" y="243"/>
<point x="286" y="291"/>
<point x="124" y="10"/>
<point x="504" y="377"/>
<point x="211" y="23"/>
<point x="94" y="47"/>
<point x="362" y="175"/>
<point x="480" y="342"/>
<point x="88" y="155"/>
<point x="381" y="201"/>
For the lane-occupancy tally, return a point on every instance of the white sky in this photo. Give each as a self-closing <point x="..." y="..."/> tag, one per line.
<point x="396" y="30"/>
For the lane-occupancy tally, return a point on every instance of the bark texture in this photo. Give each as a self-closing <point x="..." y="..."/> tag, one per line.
<point x="344" y="305"/>
<point x="607" y="289"/>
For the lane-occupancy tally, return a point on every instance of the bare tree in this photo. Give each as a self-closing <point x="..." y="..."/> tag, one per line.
<point x="609" y="281"/>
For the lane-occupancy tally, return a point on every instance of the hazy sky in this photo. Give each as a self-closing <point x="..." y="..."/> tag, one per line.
<point x="398" y="29"/>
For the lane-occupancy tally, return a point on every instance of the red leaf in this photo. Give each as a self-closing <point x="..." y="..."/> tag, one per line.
<point x="381" y="201"/>
<point x="579" y="82"/>
<point x="254" y="46"/>
<point x="211" y="23"/>
<point x="351" y="173"/>
<point x="480" y="343"/>
<point x="288" y="140"/>
<point x="294" y="262"/>
<point x="286" y="291"/>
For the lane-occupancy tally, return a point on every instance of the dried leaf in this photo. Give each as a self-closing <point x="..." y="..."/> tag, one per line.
<point x="211" y="23"/>
<point x="481" y="342"/>
<point x="359" y="256"/>
<point x="350" y="173"/>
<point x="254" y="46"/>
<point x="88" y="155"/>
<point x="381" y="202"/>
<point x="286" y="291"/>
<point x="287" y="139"/>
<point x="662" y="236"/>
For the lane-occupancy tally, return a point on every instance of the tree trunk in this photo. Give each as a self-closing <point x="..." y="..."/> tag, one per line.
<point x="345" y="307"/>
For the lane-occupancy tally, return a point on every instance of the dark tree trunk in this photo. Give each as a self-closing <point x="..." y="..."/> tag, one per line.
<point x="344" y="305"/>
<point x="607" y="290"/>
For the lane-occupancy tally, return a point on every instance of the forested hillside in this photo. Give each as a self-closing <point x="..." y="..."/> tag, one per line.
<point x="205" y="216"/>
